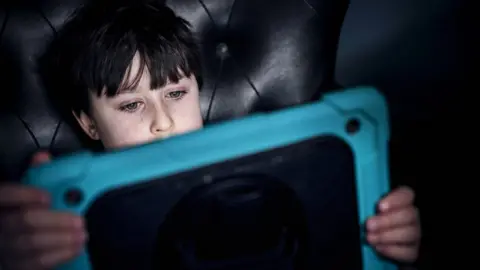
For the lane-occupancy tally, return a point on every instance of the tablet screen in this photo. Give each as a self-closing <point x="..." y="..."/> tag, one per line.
<point x="292" y="207"/>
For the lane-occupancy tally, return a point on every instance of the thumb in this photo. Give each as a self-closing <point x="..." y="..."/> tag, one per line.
<point x="40" y="158"/>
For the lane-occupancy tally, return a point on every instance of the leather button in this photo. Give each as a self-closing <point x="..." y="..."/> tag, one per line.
<point x="222" y="50"/>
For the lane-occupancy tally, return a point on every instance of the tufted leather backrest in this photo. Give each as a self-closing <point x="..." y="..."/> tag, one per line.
<point x="257" y="56"/>
<point x="280" y="50"/>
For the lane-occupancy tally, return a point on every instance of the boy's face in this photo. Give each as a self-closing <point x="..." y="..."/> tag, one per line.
<point x="143" y="115"/>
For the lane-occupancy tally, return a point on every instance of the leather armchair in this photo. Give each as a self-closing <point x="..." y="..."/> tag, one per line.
<point x="260" y="56"/>
<point x="257" y="56"/>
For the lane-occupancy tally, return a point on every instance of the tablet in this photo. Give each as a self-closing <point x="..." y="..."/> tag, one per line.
<point x="287" y="190"/>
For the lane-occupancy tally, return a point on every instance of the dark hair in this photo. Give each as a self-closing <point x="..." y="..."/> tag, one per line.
<point x="95" y="49"/>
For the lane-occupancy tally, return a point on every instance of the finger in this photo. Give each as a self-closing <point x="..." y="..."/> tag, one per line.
<point x="16" y="195"/>
<point x="398" y="198"/>
<point x="47" y="260"/>
<point x="40" y="157"/>
<point x="405" y="254"/>
<point x="401" y="236"/>
<point x="28" y="243"/>
<point x="389" y="220"/>
<point x="26" y="221"/>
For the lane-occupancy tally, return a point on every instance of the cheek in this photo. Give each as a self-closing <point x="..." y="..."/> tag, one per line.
<point x="121" y="131"/>
<point x="187" y="116"/>
<point x="189" y="123"/>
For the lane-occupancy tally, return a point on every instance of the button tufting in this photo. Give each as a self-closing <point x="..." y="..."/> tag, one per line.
<point x="222" y="50"/>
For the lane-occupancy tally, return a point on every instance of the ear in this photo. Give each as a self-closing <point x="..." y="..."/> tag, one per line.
<point x="87" y="124"/>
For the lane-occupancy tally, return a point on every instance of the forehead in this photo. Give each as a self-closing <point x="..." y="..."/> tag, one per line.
<point x="137" y="76"/>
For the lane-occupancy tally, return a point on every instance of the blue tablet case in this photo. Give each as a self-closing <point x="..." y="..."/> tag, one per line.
<point x="301" y="165"/>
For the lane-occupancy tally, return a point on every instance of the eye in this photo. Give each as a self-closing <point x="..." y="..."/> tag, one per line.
<point x="131" y="107"/>
<point x="176" y="95"/>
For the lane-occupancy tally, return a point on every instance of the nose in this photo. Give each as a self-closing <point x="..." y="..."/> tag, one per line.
<point x="162" y="123"/>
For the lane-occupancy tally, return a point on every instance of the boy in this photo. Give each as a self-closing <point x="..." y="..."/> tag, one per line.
<point x="130" y="74"/>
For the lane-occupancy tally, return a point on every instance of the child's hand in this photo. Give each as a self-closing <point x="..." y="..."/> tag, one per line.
<point x="32" y="236"/>
<point x="395" y="231"/>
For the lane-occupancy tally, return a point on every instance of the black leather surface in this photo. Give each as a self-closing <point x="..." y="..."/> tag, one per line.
<point x="258" y="55"/>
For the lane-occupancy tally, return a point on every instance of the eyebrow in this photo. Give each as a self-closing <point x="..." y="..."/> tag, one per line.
<point x="133" y="87"/>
